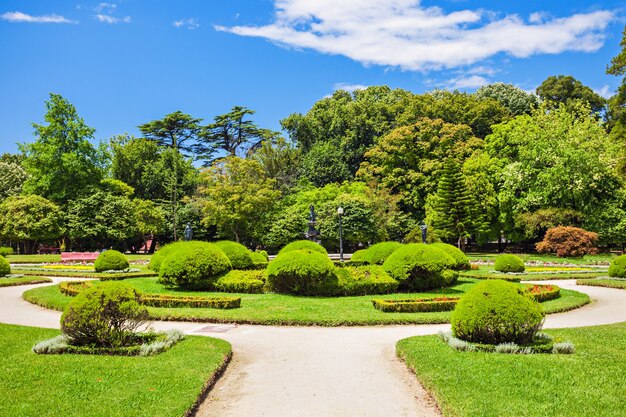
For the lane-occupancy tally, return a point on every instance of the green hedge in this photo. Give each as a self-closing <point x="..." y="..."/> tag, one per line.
<point x="111" y="260"/>
<point x="159" y="256"/>
<point x="509" y="263"/>
<point x="248" y="282"/>
<point x="509" y="278"/>
<point x="364" y="280"/>
<point x="617" y="268"/>
<point x="194" y="265"/>
<point x="238" y="255"/>
<point x="175" y="301"/>
<point x="461" y="262"/>
<point x="418" y="267"/>
<point x="302" y="272"/>
<point x="5" y="267"/>
<point x="543" y="293"/>
<point x="78" y="274"/>
<point x="377" y="254"/>
<point x="5" y="251"/>
<point x="425" y="305"/>
<point x="303" y="245"/>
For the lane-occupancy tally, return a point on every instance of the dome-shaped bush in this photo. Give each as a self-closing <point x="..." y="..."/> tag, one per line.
<point x="194" y="265"/>
<point x="105" y="315"/>
<point x="303" y="245"/>
<point x="302" y="272"/>
<point x="460" y="260"/>
<point x="378" y="253"/>
<point x="418" y="266"/>
<point x="618" y="267"/>
<point x="110" y="260"/>
<point x="159" y="256"/>
<point x="509" y="263"/>
<point x="359" y="256"/>
<point x="258" y="257"/>
<point x="494" y="312"/>
<point x="237" y="253"/>
<point x="5" y="267"/>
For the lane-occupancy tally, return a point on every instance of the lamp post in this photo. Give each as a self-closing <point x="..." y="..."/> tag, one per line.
<point x="340" y="213"/>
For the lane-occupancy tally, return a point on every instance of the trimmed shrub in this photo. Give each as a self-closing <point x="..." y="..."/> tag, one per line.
<point x="159" y="256"/>
<point x="364" y="280"/>
<point x="617" y="268"/>
<point x="194" y="265"/>
<point x="509" y="263"/>
<point x="358" y="256"/>
<point x="424" y="305"/>
<point x="302" y="272"/>
<point x="568" y="241"/>
<point x="303" y="245"/>
<point x="5" y="267"/>
<point x="5" y="251"/>
<point x="461" y="262"/>
<point x="177" y="301"/>
<point x="418" y="266"/>
<point x="378" y="253"/>
<point x="263" y="253"/>
<point x="503" y="277"/>
<point x="495" y="312"/>
<point x="106" y="315"/>
<point x="258" y="258"/>
<point x="111" y="260"/>
<point x="237" y="253"/>
<point x="249" y="282"/>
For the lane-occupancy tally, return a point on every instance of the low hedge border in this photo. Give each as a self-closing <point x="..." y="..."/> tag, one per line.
<point x="104" y="276"/>
<point x="21" y="280"/>
<point x="510" y="278"/>
<point x="426" y="305"/>
<point x="604" y="282"/>
<point x="543" y="293"/>
<point x="72" y="288"/>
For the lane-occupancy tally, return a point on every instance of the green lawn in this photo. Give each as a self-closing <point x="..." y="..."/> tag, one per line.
<point x="599" y="259"/>
<point x="603" y="282"/>
<point x="9" y="282"/>
<point x="587" y="383"/>
<point x="292" y="310"/>
<point x="97" y="386"/>
<point x="45" y="272"/>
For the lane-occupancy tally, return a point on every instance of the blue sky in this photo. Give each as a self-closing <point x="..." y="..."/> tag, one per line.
<point x="123" y="63"/>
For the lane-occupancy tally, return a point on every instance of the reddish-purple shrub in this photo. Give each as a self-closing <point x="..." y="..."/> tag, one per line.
<point x="568" y="241"/>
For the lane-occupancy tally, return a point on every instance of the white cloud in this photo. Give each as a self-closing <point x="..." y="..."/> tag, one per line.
<point x="471" y="82"/>
<point x="604" y="91"/>
<point x="18" y="17"/>
<point x="106" y="7"/>
<point x="405" y="34"/>
<point x="105" y="18"/>
<point x="190" y="24"/>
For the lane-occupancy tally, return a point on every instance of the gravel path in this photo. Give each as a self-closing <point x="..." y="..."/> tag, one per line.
<point x="319" y="371"/>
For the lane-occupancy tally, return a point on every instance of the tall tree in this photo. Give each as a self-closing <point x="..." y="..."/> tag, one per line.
<point x="516" y="100"/>
<point x="617" y="103"/>
<point x="567" y="90"/>
<point x="29" y="219"/>
<point x="280" y="161"/>
<point x="62" y="162"/>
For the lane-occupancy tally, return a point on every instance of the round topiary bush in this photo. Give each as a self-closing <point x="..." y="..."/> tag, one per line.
<point x="237" y="253"/>
<point x="359" y="256"/>
<point x="495" y="312"/>
<point x="105" y="315"/>
<point x="159" y="256"/>
<point x="509" y="263"/>
<point x="110" y="260"/>
<point x="303" y="245"/>
<point x="378" y="253"/>
<point x="258" y="258"/>
<point x="617" y="268"/>
<point x="5" y="267"/>
<point x="194" y="265"/>
<point x="302" y="272"/>
<point x="418" y="266"/>
<point x="460" y="260"/>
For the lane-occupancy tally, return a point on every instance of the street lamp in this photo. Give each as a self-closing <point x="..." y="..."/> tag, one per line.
<point x="340" y="213"/>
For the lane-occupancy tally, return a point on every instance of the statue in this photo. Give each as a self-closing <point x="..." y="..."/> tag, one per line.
<point x="188" y="232"/>
<point x="424" y="228"/>
<point x="312" y="233"/>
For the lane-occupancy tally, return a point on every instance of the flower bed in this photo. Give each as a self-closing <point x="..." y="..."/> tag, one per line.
<point x="543" y="293"/>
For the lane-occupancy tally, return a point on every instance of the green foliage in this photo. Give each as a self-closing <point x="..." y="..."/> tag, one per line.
<point x="159" y="256"/>
<point x="12" y="178"/>
<point x="302" y="272"/>
<point x="259" y="258"/>
<point x="378" y="253"/>
<point x="495" y="312"/>
<point x="5" y="267"/>
<point x="194" y="265"/>
<point x="62" y="163"/>
<point x="176" y="130"/>
<point x="280" y="161"/>
<point x="325" y="164"/>
<point x="117" y="187"/>
<point x="6" y="251"/>
<point x="28" y="218"/>
<point x="416" y="305"/>
<point x="461" y="262"/>
<point x="303" y="245"/>
<point x="618" y="267"/>
<point x="516" y="100"/>
<point x="238" y="254"/>
<point x="537" y="223"/>
<point x="566" y="90"/>
<point x="106" y="315"/>
<point x="359" y="256"/>
<point x="237" y="281"/>
<point x="364" y="280"/>
<point x="509" y="263"/>
<point x="568" y="241"/>
<point x="111" y="260"/>
<point x="418" y="266"/>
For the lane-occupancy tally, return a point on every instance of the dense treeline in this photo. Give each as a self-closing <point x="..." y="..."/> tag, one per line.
<point x="498" y="164"/>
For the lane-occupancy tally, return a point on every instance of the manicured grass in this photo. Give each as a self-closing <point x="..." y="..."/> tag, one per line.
<point x="168" y="384"/>
<point x="41" y="272"/>
<point x="599" y="259"/>
<point x="33" y="259"/>
<point x="9" y="282"/>
<point x="292" y="310"/>
<point x="603" y="282"/>
<point x="587" y="383"/>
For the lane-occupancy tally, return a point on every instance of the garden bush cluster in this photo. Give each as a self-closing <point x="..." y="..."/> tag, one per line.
<point x="617" y="269"/>
<point x="509" y="263"/>
<point x="111" y="260"/>
<point x="5" y="251"/>
<point x="5" y="267"/>
<point x="568" y="241"/>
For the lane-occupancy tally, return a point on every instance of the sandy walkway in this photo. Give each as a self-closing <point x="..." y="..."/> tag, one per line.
<point x="317" y="371"/>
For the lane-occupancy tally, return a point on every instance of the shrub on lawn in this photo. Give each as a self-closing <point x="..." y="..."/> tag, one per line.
<point x="159" y="256"/>
<point x="509" y="263"/>
<point x="238" y="254"/>
<point x="5" y="251"/>
<point x="358" y="257"/>
<point x="461" y="262"/>
<point x="495" y="312"/>
<point x="250" y="282"/>
<point x="258" y="258"/>
<point x="418" y="266"/>
<point x="568" y="241"/>
<point x="302" y="272"/>
<point x="378" y="253"/>
<point x="194" y="265"/>
<point x="110" y="260"/>
<point x="107" y="315"/>
<point x="618" y="267"/>
<point x="303" y="245"/>
<point x="5" y="267"/>
<point x="364" y="280"/>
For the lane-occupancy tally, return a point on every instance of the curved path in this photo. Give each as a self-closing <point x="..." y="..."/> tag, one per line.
<point x="319" y="371"/>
